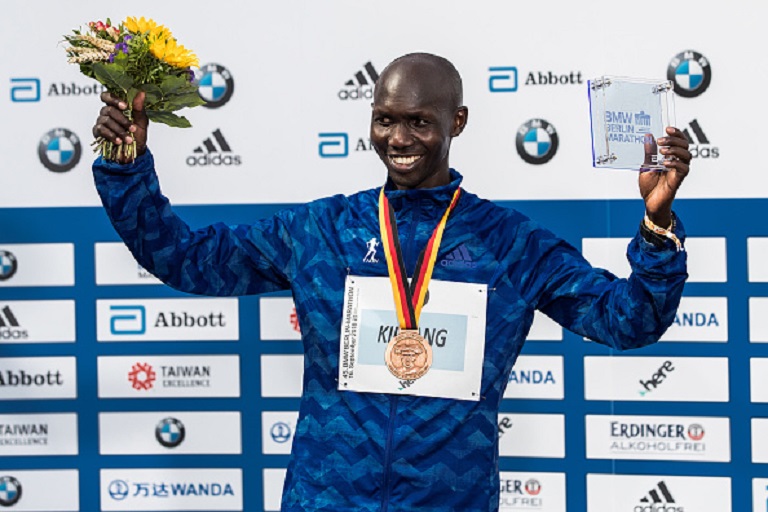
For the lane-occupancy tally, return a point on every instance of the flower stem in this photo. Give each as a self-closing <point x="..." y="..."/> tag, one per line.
<point x="122" y="153"/>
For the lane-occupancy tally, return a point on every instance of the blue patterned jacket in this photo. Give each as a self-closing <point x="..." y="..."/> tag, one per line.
<point x="377" y="452"/>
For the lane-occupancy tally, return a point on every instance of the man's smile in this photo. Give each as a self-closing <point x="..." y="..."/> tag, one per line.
<point x="404" y="162"/>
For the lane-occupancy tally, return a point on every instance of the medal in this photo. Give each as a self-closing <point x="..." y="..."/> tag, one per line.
<point x="409" y="355"/>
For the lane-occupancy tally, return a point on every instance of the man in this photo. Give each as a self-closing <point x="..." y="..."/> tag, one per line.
<point x="363" y="451"/>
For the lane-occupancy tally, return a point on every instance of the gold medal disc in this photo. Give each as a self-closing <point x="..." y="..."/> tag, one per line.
<point x="408" y="355"/>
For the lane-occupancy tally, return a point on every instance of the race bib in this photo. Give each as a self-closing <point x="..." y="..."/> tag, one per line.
<point x="452" y="321"/>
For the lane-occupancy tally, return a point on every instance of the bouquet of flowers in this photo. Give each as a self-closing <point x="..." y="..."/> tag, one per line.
<point x="137" y="55"/>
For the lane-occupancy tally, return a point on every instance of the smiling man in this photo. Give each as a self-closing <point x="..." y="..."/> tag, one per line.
<point x="422" y="434"/>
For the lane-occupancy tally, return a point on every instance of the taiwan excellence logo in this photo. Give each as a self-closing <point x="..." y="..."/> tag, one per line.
<point x="10" y="491"/>
<point x="142" y="376"/>
<point x="215" y="85"/>
<point x="536" y="141"/>
<point x="294" y="318"/>
<point x="170" y="432"/>
<point x="8" y="265"/>
<point x="690" y="72"/>
<point x="59" y="150"/>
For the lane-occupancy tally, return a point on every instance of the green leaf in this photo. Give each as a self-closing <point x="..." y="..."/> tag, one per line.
<point x="112" y="76"/>
<point x="168" y="118"/>
<point x="173" y="84"/>
<point x="154" y="95"/>
<point x="132" y="92"/>
<point x="187" y="100"/>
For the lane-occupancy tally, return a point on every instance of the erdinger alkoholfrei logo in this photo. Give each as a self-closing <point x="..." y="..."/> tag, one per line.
<point x="10" y="491"/>
<point x="533" y="487"/>
<point x="170" y="432"/>
<point x="536" y="141"/>
<point x="360" y="87"/>
<point x="59" y="150"/>
<point x="215" y="85"/>
<point x="280" y="432"/>
<point x="695" y="432"/>
<point x="214" y="151"/>
<point x="690" y="72"/>
<point x="8" y="265"/>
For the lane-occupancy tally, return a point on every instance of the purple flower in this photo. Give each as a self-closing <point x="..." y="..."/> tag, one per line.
<point x="127" y="37"/>
<point x="121" y="47"/>
<point x="111" y="57"/>
<point x="191" y="75"/>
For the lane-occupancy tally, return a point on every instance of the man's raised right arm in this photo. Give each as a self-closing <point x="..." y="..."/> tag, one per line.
<point x="215" y="260"/>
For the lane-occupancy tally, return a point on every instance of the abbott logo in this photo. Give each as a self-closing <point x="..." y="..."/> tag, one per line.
<point x="125" y="320"/>
<point x="502" y="79"/>
<point x="333" y="145"/>
<point x="25" y="90"/>
<point x="657" y="378"/>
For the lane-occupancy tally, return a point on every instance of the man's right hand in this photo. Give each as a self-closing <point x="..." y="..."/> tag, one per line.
<point x="114" y="126"/>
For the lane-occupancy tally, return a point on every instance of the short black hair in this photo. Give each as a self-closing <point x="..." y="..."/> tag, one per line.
<point x="444" y="66"/>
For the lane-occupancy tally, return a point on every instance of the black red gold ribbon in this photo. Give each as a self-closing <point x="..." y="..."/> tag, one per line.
<point x="409" y="299"/>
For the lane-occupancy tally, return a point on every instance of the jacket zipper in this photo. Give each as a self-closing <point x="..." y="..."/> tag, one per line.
<point x="388" y="451"/>
<point x="394" y="398"/>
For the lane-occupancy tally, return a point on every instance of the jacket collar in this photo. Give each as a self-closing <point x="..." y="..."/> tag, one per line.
<point x="436" y="195"/>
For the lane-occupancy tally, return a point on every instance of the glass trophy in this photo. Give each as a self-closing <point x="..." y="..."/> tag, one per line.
<point x="627" y="116"/>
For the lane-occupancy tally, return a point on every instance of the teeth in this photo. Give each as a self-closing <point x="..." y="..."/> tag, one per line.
<point x="405" y="160"/>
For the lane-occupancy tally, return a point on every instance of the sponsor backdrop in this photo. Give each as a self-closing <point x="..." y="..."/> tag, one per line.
<point x="118" y="393"/>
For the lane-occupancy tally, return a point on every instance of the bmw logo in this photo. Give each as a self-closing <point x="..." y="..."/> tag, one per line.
<point x="10" y="491"/>
<point x="536" y="141"/>
<point x="118" y="490"/>
<point x="59" y="150"/>
<point x="690" y="72"/>
<point x="280" y="432"/>
<point x="170" y="432"/>
<point x="215" y="85"/>
<point x="8" y="265"/>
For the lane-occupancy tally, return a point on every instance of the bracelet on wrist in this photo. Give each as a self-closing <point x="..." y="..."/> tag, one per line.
<point x="660" y="234"/>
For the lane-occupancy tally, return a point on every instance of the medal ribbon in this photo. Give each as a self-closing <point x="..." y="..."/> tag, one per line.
<point x="409" y="299"/>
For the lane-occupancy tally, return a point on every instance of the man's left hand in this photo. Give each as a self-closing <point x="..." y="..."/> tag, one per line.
<point x="658" y="188"/>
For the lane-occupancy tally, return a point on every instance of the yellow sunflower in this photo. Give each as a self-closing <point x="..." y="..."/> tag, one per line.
<point x="168" y="50"/>
<point x="149" y="27"/>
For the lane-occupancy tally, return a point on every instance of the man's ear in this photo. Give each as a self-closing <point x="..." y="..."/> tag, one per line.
<point x="459" y="121"/>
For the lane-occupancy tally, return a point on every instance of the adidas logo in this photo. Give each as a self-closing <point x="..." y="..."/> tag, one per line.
<point x="210" y="152"/>
<point x="659" y="499"/>
<point x="9" y="326"/>
<point x="361" y="86"/>
<point x="700" y="146"/>
<point x="458" y="258"/>
<point x="7" y="318"/>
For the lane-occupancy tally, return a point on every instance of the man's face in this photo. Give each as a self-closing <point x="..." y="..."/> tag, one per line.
<point x="412" y="123"/>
